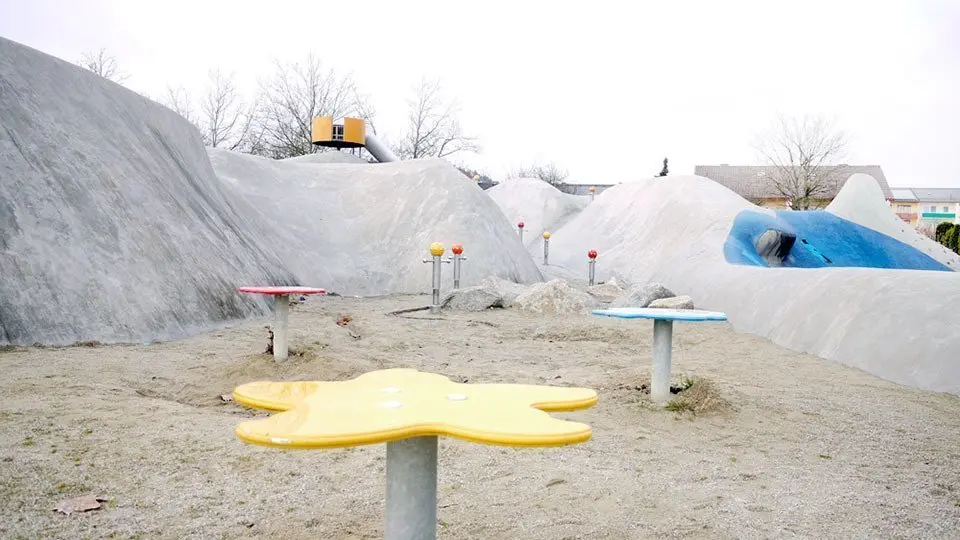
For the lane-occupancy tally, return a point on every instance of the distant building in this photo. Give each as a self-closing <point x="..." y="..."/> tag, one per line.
<point x="582" y="189"/>
<point x="755" y="183"/>
<point x="924" y="208"/>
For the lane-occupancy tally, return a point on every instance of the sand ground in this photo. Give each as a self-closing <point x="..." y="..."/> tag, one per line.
<point x="808" y="449"/>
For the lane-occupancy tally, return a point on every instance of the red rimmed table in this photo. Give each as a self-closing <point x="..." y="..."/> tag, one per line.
<point x="281" y="297"/>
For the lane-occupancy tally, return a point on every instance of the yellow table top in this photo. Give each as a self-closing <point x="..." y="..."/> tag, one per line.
<point x="393" y="404"/>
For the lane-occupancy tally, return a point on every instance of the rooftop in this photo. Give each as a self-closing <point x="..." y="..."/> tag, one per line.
<point x="927" y="194"/>
<point x="755" y="181"/>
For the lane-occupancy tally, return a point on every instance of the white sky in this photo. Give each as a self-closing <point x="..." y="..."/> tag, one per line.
<point x="605" y="89"/>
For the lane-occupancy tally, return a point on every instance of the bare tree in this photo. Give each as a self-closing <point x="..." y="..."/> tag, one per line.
<point x="549" y="173"/>
<point x="292" y="97"/>
<point x="102" y="64"/>
<point x="433" y="128"/>
<point x="366" y="110"/>
<point x="179" y="101"/>
<point x="802" y="152"/>
<point x="226" y="121"/>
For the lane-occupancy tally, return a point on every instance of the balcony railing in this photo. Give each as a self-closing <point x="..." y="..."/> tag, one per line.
<point x="907" y="216"/>
<point x="938" y="215"/>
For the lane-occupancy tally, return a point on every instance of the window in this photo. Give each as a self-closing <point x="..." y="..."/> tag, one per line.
<point x="903" y="208"/>
<point x="338" y="132"/>
<point x="932" y="210"/>
<point x="946" y="209"/>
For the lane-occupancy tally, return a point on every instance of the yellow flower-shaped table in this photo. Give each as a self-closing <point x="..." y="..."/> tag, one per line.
<point x="408" y="410"/>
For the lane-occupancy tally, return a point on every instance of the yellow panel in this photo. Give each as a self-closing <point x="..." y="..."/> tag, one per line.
<point x="393" y="404"/>
<point x="322" y="129"/>
<point x="354" y="130"/>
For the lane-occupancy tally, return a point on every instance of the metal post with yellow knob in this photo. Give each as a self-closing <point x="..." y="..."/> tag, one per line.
<point x="593" y="193"/>
<point x="546" y="248"/>
<point x="436" y="251"/>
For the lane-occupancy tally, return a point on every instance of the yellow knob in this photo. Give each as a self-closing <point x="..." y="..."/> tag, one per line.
<point x="592" y="189"/>
<point x="546" y="235"/>
<point x="436" y="249"/>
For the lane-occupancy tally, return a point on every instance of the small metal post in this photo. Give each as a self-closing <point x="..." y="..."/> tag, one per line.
<point x="520" y="230"/>
<point x="436" y="250"/>
<point x="280" y="327"/>
<point x="457" y="259"/>
<point x="592" y="265"/>
<point x="662" y="351"/>
<point x="412" y="489"/>
<point x="546" y="248"/>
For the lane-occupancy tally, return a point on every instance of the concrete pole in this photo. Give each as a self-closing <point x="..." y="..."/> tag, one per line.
<point x="662" y="351"/>
<point x="593" y="271"/>
<point x="280" y="349"/>
<point x="520" y="230"/>
<point x="412" y="489"/>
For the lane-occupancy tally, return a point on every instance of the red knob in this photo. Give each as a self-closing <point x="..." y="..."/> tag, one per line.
<point x="457" y="249"/>
<point x="592" y="254"/>
<point x="520" y="224"/>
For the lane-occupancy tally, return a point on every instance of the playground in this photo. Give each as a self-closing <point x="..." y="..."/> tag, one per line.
<point x="843" y="455"/>
<point x="165" y="303"/>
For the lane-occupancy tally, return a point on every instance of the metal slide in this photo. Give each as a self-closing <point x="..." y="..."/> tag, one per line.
<point x="379" y="150"/>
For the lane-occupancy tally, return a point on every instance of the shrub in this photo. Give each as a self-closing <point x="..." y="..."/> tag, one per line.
<point x="941" y="229"/>
<point x="948" y="238"/>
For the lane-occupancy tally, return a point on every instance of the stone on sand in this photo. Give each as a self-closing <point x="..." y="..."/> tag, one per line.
<point x="555" y="296"/>
<point x="641" y="295"/>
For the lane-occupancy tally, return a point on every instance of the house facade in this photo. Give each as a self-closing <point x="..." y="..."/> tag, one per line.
<point x="925" y="208"/>
<point x="756" y="182"/>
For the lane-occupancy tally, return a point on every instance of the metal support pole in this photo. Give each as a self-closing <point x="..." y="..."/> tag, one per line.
<point x="280" y="327"/>
<point x="412" y="489"/>
<point x="457" y="259"/>
<point x="521" y="234"/>
<point x="662" y="351"/>
<point x="435" y="307"/>
<point x="437" y="260"/>
<point x="593" y="271"/>
<point x="546" y="251"/>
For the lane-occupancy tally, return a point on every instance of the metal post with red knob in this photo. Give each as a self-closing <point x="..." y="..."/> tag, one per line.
<point x="458" y="257"/>
<point x="592" y="265"/>
<point x="520" y="229"/>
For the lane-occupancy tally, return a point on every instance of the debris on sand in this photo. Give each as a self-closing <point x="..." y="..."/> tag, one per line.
<point x="84" y="503"/>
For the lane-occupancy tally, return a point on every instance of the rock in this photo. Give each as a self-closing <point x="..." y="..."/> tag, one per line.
<point x="508" y="290"/>
<point x="642" y="295"/>
<point x="477" y="298"/>
<point x="773" y="246"/>
<point x="674" y="302"/>
<point x="555" y="296"/>
<point x="606" y="292"/>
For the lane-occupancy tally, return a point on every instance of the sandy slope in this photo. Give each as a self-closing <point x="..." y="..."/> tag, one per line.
<point x="813" y="449"/>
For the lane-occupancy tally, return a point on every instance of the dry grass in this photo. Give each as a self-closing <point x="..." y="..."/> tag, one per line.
<point x="699" y="396"/>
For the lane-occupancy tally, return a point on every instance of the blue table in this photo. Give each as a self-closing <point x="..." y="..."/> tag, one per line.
<point x="662" y="339"/>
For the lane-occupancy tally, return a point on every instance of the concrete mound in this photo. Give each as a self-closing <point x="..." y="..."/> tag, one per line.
<point x="539" y="205"/>
<point x="113" y="226"/>
<point x="862" y="201"/>
<point x="327" y="157"/>
<point x="364" y="229"/>
<point x="672" y="231"/>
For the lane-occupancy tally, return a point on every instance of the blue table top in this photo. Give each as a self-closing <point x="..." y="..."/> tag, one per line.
<point x="662" y="314"/>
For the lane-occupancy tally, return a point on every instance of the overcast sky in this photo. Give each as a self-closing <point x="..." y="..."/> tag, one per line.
<point x="605" y="89"/>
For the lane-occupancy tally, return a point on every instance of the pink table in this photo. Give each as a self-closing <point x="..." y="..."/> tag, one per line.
<point x="282" y="298"/>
